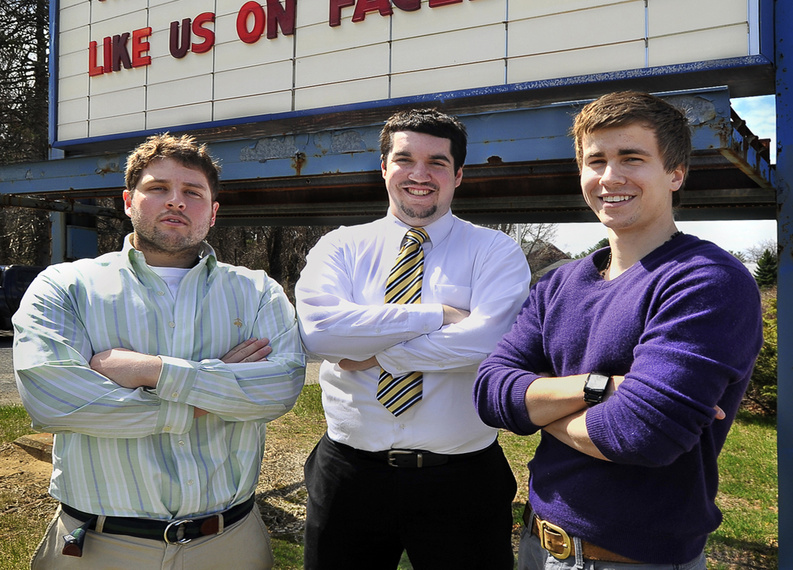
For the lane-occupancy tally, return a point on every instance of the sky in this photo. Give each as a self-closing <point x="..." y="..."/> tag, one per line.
<point x="735" y="235"/>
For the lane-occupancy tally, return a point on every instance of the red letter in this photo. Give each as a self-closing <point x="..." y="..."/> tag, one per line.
<point x="436" y="3"/>
<point x="201" y="32"/>
<point x="140" y="46"/>
<point x="259" y="20"/>
<point x="364" y="6"/>
<point x="93" y="68"/>
<point x="408" y="5"/>
<point x="335" y="11"/>
<point x="107" y="49"/>
<point x="280" y="16"/>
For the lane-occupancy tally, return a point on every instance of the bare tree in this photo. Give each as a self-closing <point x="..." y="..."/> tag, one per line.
<point x="754" y="253"/>
<point x="24" y="233"/>
<point x="279" y="250"/>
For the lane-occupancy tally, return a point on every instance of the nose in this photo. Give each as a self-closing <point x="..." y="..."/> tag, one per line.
<point x="612" y="176"/>
<point x="175" y="201"/>
<point x="419" y="172"/>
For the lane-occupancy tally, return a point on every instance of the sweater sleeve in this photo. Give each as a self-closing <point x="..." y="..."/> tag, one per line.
<point x="701" y="337"/>
<point x="505" y="375"/>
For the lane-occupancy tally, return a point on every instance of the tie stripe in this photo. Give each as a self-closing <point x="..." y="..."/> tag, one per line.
<point x="403" y="286"/>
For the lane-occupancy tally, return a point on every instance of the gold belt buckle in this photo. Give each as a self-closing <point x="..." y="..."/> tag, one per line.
<point x="550" y="529"/>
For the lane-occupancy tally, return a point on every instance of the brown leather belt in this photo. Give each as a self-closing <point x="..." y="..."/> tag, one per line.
<point x="556" y="541"/>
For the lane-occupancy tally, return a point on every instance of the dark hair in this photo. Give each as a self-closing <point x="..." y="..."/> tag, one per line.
<point x="184" y="150"/>
<point x="429" y="122"/>
<point x="623" y="108"/>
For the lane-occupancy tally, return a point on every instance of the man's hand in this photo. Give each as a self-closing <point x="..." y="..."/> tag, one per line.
<point x="251" y="350"/>
<point x="355" y="365"/>
<point x="127" y="368"/>
<point x="453" y="315"/>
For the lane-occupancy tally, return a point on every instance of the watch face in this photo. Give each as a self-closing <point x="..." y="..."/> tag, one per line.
<point x="595" y="388"/>
<point x="597" y="382"/>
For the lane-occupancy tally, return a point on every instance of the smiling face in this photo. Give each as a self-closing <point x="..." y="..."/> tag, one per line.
<point x="625" y="183"/>
<point x="420" y="177"/>
<point x="172" y="210"/>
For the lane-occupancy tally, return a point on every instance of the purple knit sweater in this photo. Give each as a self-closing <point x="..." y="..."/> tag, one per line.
<point x="684" y="327"/>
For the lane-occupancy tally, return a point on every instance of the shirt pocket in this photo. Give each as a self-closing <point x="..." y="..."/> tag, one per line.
<point x="457" y="296"/>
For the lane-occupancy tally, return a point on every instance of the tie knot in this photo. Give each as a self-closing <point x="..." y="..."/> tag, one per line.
<point x="417" y="235"/>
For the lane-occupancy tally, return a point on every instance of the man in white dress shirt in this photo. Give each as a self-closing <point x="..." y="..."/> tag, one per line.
<point x="425" y="476"/>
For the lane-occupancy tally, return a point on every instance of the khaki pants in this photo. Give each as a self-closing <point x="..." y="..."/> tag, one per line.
<point x="242" y="546"/>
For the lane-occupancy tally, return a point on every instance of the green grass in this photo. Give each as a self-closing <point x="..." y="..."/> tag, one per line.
<point x="14" y="422"/>
<point x="748" y="537"/>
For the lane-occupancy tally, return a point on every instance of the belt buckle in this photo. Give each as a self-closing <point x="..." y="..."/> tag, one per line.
<point x="546" y="527"/>
<point x="175" y="525"/>
<point x="394" y="454"/>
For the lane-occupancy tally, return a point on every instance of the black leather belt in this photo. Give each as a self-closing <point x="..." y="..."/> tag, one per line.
<point x="415" y="458"/>
<point x="175" y="531"/>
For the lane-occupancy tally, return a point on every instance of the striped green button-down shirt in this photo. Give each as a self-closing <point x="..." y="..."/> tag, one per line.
<point x="139" y="452"/>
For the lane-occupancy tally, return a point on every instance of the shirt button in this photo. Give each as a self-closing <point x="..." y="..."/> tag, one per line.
<point x="181" y="443"/>
<point x="161" y="293"/>
<point x="401" y="426"/>
<point x="189" y="481"/>
<point x="166" y="429"/>
<point x="175" y="395"/>
<point x="171" y="324"/>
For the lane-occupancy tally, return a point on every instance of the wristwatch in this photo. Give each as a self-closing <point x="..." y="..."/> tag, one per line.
<point x="595" y="388"/>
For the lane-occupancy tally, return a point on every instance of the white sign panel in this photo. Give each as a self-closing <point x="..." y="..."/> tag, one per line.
<point x="126" y="66"/>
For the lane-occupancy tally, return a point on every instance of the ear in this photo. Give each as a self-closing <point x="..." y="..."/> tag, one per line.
<point x="215" y="206"/>
<point x="678" y="176"/>
<point x="458" y="177"/>
<point x="127" y="195"/>
<point x="382" y="166"/>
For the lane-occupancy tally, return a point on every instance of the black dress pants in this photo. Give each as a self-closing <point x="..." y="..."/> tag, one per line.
<point x="362" y="513"/>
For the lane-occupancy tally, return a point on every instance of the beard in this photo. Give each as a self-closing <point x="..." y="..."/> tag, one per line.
<point x="149" y="237"/>
<point x="418" y="215"/>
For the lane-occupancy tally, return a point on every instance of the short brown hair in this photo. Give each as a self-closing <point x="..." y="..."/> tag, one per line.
<point x="184" y="150"/>
<point x="623" y="108"/>
<point x="428" y="122"/>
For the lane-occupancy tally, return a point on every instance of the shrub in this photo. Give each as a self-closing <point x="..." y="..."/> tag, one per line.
<point x="763" y="386"/>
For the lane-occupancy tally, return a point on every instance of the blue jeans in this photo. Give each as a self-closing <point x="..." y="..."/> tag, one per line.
<point x="532" y="556"/>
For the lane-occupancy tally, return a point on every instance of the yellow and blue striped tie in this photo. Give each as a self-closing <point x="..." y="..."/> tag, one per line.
<point x="399" y="393"/>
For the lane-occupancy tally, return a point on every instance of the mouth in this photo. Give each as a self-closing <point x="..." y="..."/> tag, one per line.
<point x="418" y="190"/>
<point x="174" y="220"/>
<point x="615" y="199"/>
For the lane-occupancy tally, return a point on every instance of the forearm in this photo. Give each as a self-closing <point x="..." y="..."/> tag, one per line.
<point x="572" y="431"/>
<point x="72" y="398"/>
<point x="235" y="392"/>
<point x="551" y="399"/>
<point x="360" y="332"/>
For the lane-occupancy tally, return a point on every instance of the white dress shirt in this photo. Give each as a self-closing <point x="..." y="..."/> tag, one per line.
<point x="342" y="315"/>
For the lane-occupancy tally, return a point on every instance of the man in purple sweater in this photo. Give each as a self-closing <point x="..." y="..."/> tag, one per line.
<point x="632" y="361"/>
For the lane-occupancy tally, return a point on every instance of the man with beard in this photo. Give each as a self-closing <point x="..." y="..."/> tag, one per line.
<point x="406" y="464"/>
<point x="157" y="368"/>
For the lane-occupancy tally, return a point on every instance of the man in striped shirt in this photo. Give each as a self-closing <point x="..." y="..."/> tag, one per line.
<point x="157" y="368"/>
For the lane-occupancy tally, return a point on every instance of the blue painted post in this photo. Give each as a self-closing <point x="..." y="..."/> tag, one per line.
<point x="784" y="180"/>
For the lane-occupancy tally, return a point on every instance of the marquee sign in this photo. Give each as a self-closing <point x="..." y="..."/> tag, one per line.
<point x="133" y="66"/>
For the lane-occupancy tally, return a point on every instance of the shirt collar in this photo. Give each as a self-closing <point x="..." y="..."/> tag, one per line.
<point x="206" y="254"/>
<point x="437" y="230"/>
